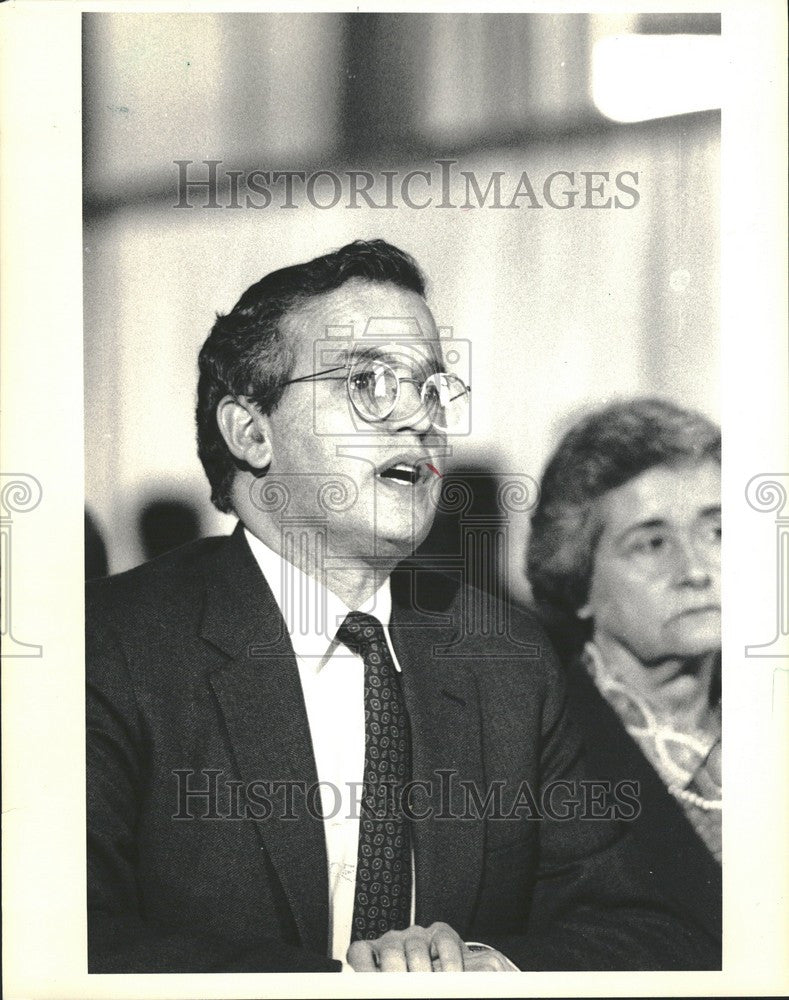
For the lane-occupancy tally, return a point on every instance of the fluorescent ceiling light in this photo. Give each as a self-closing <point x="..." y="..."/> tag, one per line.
<point x="638" y="77"/>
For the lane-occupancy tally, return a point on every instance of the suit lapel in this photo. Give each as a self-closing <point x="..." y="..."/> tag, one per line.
<point x="262" y="704"/>
<point x="444" y="712"/>
<point x="260" y="697"/>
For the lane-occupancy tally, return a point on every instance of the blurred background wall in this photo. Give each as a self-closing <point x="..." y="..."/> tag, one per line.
<point x="565" y="308"/>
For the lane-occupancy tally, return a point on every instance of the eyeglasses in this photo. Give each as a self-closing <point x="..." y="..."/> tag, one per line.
<point x="374" y="390"/>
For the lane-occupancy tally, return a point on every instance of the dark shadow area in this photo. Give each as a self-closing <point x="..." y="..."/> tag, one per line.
<point x="567" y="633"/>
<point x="471" y="538"/>
<point x="165" y="524"/>
<point x="96" y="563"/>
<point x="469" y="533"/>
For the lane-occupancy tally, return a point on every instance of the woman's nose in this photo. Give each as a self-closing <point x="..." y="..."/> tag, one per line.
<point x="694" y="564"/>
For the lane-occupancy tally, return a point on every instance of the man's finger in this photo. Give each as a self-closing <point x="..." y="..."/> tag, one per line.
<point x="417" y="954"/>
<point x="361" y="957"/>
<point x="446" y="946"/>
<point x="391" y="957"/>
<point x="484" y="961"/>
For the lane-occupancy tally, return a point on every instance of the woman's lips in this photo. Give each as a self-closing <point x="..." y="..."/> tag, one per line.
<point x="701" y="610"/>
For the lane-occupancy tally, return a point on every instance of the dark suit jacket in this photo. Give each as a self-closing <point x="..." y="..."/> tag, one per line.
<point x="189" y="670"/>
<point x="674" y="856"/>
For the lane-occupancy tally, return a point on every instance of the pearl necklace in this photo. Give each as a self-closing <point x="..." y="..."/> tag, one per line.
<point x="656" y="734"/>
<point x="697" y="800"/>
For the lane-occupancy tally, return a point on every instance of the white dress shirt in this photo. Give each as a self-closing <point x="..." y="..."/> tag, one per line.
<point x="332" y="679"/>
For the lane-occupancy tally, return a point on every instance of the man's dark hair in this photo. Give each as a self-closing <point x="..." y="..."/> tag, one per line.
<point x="247" y="353"/>
<point x="603" y="451"/>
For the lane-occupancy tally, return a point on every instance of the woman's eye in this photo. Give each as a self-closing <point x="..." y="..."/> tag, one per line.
<point x="648" y="545"/>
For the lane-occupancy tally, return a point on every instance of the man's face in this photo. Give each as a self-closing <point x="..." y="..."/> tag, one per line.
<point x="318" y="438"/>
<point x="655" y="586"/>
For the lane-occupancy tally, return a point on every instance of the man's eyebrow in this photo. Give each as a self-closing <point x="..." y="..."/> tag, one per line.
<point x="429" y="359"/>
<point x="341" y="357"/>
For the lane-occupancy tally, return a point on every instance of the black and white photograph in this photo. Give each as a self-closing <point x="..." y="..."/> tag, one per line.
<point x="383" y="436"/>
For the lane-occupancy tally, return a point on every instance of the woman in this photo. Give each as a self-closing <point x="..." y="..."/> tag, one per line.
<point x="624" y="561"/>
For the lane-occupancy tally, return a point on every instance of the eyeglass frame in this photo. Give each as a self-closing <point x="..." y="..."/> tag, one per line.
<point x="349" y="366"/>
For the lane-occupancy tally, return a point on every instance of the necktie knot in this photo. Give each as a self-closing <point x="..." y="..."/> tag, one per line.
<point x="361" y="633"/>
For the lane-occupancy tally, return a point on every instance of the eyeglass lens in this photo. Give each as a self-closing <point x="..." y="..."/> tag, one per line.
<point x="375" y="391"/>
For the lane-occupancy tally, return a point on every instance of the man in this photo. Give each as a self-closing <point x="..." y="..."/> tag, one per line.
<point x="300" y="760"/>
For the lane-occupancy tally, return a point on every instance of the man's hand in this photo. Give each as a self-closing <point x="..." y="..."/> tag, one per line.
<point x="436" y="948"/>
<point x="486" y="960"/>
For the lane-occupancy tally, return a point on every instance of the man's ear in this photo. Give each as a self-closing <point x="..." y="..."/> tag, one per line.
<point x="584" y="612"/>
<point x="247" y="431"/>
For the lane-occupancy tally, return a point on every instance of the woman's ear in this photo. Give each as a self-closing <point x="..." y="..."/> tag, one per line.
<point x="584" y="613"/>
<point x="247" y="431"/>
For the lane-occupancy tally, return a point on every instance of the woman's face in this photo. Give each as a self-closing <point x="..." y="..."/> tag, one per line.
<point x="655" y="587"/>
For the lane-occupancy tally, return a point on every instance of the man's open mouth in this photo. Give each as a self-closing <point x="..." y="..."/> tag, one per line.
<point x="406" y="473"/>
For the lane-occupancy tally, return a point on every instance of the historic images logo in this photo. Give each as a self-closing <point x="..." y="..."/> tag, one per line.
<point x="211" y="184"/>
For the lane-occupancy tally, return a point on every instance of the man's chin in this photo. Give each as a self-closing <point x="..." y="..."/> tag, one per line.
<point x="399" y="547"/>
<point x="393" y="542"/>
<point x="403" y="542"/>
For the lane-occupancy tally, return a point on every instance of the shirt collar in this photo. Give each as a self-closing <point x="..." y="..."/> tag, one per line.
<point x="312" y="612"/>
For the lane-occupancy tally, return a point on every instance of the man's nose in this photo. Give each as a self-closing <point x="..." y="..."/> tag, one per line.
<point x="410" y="414"/>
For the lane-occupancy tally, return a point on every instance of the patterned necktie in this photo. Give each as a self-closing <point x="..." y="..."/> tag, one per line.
<point x="383" y="872"/>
